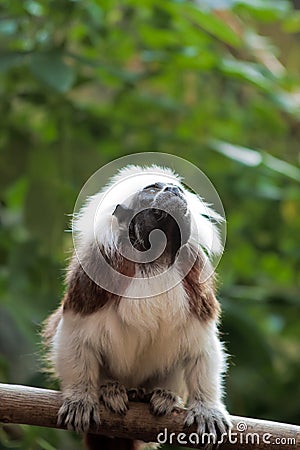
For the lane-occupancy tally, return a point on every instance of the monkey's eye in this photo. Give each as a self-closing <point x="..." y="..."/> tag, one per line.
<point x="152" y="188"/>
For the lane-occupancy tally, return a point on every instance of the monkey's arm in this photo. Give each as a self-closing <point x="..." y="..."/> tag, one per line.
<point x="203" y="376"/>
<point x="77" y="367"/>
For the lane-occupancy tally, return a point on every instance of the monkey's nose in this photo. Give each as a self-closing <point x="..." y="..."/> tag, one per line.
<point x="173" y="189"/>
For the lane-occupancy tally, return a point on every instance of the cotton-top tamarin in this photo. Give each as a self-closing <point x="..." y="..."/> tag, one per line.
<point x="129" y="321"/>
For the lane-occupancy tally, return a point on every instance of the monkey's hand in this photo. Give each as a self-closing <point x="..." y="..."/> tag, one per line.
<point x="114" y="397"/>
<point x="78" y="412"/>
<point x="163" y="402"/>
<point x="210" y="420"/>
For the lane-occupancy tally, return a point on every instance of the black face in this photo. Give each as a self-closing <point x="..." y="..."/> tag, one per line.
<point x="158" y="206"/>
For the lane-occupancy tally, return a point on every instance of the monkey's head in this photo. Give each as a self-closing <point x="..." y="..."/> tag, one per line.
<point x="160" y="207"/>
<point x="145" y="218"/>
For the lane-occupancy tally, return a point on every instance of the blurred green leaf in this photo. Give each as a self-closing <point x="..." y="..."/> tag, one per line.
<point x="265" y="9"/>
<point x="45" y="445"/>
<point x="247" y="71"/>
<point x="33" y="7"/>
<point x="240" y="154"/>
<point x="254" y="158"/>
<point x="211" y="24"/>
<point x="9" y="60"/>
<point x="281" y="167"/>
<point x="51" y="69"/>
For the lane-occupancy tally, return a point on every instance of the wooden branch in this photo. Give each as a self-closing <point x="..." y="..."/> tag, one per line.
<point x="33" y="406"/>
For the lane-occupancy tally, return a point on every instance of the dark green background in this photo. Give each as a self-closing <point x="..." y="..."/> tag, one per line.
<point x="85" y="82"/>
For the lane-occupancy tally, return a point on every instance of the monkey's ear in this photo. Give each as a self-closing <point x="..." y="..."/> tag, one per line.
<point x="122" y="213"/>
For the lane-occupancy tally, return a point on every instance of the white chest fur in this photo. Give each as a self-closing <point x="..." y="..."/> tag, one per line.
<point x="138" y="337"/>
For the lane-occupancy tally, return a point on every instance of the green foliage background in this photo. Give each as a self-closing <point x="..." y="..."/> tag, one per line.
<point x="84" y="82"/>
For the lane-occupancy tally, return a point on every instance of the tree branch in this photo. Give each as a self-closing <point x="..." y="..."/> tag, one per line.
<point x="34" y="406"/>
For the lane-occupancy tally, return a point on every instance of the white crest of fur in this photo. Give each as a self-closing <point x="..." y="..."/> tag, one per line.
<point x="96" y="220"/>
